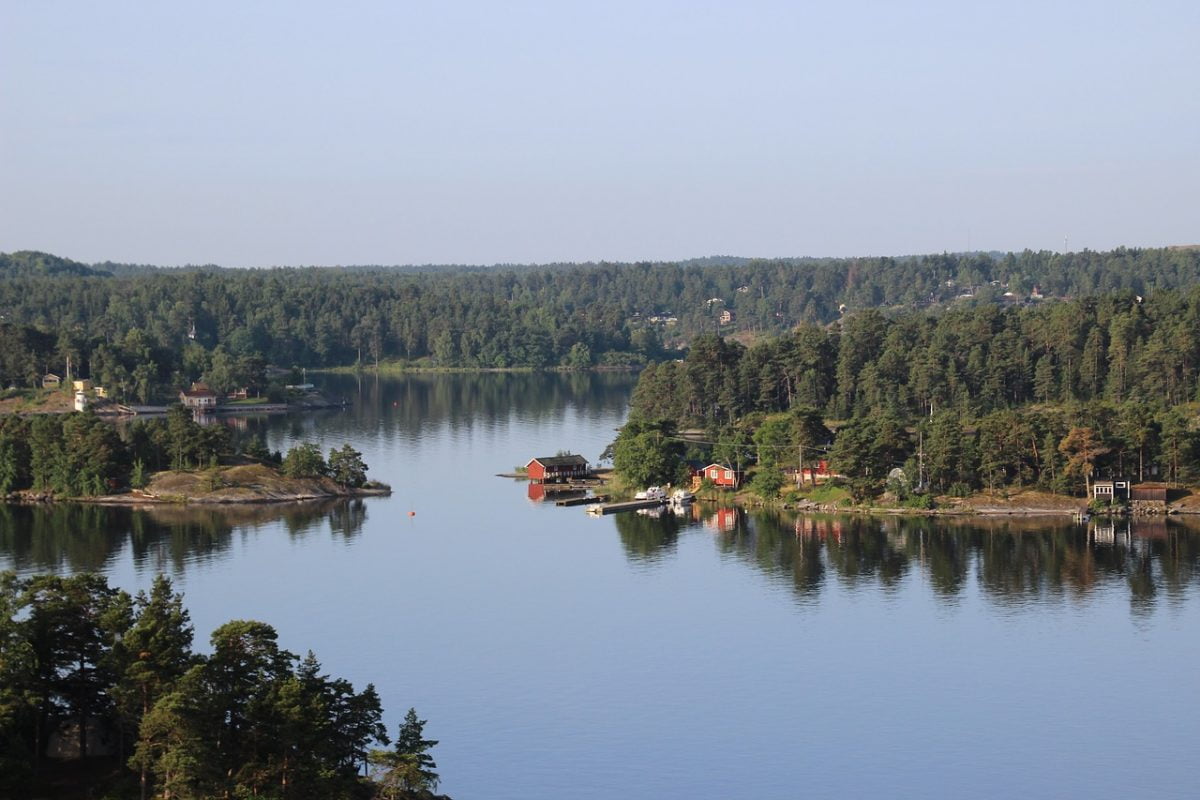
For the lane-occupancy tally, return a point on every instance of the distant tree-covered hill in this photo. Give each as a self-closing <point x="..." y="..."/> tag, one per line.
<point x="32" y="264"/>
<point x="173" y="325"/>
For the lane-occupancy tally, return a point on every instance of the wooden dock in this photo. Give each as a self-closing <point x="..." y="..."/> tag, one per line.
<point x="628" y="505"/>
<point x="581" y="501"/>
<point x="562" y="488"/>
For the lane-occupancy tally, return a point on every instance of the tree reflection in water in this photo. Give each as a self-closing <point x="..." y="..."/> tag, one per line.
<point x="71" y="537"/>
<point x="1014" y="561"/>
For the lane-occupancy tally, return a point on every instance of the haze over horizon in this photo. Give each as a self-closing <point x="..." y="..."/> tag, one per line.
<point x="472" y="133"/>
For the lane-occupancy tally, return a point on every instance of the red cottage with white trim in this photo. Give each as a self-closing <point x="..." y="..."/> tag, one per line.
<point x="557" y="469"/>
<point x="722" y="475"/>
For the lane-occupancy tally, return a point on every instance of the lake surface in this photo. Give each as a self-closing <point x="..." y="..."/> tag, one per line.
<point x="718" y="656"/>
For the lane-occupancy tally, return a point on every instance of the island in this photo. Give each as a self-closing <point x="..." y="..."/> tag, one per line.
<point x="79" y="457"/>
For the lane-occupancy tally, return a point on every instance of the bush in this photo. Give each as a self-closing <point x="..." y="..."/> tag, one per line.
<point x="959" y="489"/>
<point x="1104" y="507"/>
<point x="919" y="501"/>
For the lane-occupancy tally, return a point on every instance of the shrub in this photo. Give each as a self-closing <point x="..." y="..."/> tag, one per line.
<point x="919" y="501"/>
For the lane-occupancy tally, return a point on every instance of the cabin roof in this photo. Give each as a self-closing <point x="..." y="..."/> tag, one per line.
<point x="198" y="390"/>
<point x="561" y="461"/>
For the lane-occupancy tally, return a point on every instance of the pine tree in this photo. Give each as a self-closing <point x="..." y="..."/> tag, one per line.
<point x="408" y="767"/>
<point x="347" y="468"/>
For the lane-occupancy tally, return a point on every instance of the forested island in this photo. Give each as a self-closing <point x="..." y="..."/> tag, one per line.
<point x="144" y="332"/>
<point x="1046" y="396"/>
<point x="174" y="459"/>
<point x="111" y="682"/>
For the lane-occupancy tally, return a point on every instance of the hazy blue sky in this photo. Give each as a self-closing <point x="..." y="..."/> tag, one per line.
<point x="385" y="132"/>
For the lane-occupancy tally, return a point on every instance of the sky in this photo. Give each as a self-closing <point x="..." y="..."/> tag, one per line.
<point x="257" y="133"/>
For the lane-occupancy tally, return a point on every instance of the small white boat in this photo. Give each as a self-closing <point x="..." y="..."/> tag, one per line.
<point x="682" y="497"/>
<point x="595" y="509"/>
<point x="653" y="493"/>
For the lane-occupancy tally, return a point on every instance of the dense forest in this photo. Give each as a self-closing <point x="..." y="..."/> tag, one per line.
<point x="983" y="397"/>
<point x="81" y="455"/>
<point x="143" y="331"/>
<point x="111" y="681"/>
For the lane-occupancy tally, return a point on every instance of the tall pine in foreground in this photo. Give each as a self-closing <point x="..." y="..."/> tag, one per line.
<point x="407" y="771"/>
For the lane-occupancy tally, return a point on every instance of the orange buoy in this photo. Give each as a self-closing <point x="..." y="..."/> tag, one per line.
<point x="412" y="513"/>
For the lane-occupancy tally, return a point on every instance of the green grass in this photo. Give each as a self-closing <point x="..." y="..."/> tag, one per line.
<point x="826" y="493"/>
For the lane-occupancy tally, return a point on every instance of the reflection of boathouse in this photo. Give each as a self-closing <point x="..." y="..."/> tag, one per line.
<point x="1136" y="533"/>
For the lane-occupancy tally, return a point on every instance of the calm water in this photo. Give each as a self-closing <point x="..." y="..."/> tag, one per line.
<point x="730" y="655"/>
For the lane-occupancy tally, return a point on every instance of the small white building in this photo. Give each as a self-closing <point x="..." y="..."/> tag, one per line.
<point x="81" y="401"/>
<point x="1110" y="490"/>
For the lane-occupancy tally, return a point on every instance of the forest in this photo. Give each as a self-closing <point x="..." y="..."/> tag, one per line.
<point x="143" y="332"/>
<point x="980" y="397"/>
<point x="111" y="680"/>
<point x="82" y="455"/>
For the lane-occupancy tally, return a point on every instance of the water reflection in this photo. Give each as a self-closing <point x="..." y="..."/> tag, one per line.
<point x="71" y="537"/>
<point x="648" y="539"/>
<point x="1013" y="561"/>
<point x="412" y="405"/>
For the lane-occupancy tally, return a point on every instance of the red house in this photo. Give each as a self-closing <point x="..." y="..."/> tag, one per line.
<point x="813" y="475"/>
<point x="557" y="469"/>
<point x="719" y="475"/>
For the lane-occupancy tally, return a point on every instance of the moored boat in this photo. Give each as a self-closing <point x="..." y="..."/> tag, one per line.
<point x="682" y="497"/>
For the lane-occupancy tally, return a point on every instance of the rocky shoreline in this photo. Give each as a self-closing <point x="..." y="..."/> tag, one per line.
<point x="238" y="485"/>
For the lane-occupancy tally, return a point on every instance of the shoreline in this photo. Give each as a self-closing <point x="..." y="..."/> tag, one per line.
<point x="139" y="500"/>
<point x="238" y="485"/>
<point x="395" y="368"/>
<point x="1020" y="504"/>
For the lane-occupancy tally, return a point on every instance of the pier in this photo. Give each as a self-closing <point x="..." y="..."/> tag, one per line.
<point x="581" y="501"/>
<point x="628" y="505"/>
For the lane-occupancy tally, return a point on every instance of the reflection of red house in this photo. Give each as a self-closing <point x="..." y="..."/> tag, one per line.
<point x="537" y="492"/>
<point x="719" y="475"/>
<point x="557" y="469"/>
<point x="822" y="529"/>
<point x="723" y="520"/>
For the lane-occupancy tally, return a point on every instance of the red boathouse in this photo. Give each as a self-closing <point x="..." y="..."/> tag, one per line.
<point x="557" y="469"/>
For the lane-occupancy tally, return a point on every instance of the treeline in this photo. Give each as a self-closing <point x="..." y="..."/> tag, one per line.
<point x="1043" y="395"/>
<point x="92" y="677"/>
<point x="142" y="330"/>
<point x="81" y="455"/>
